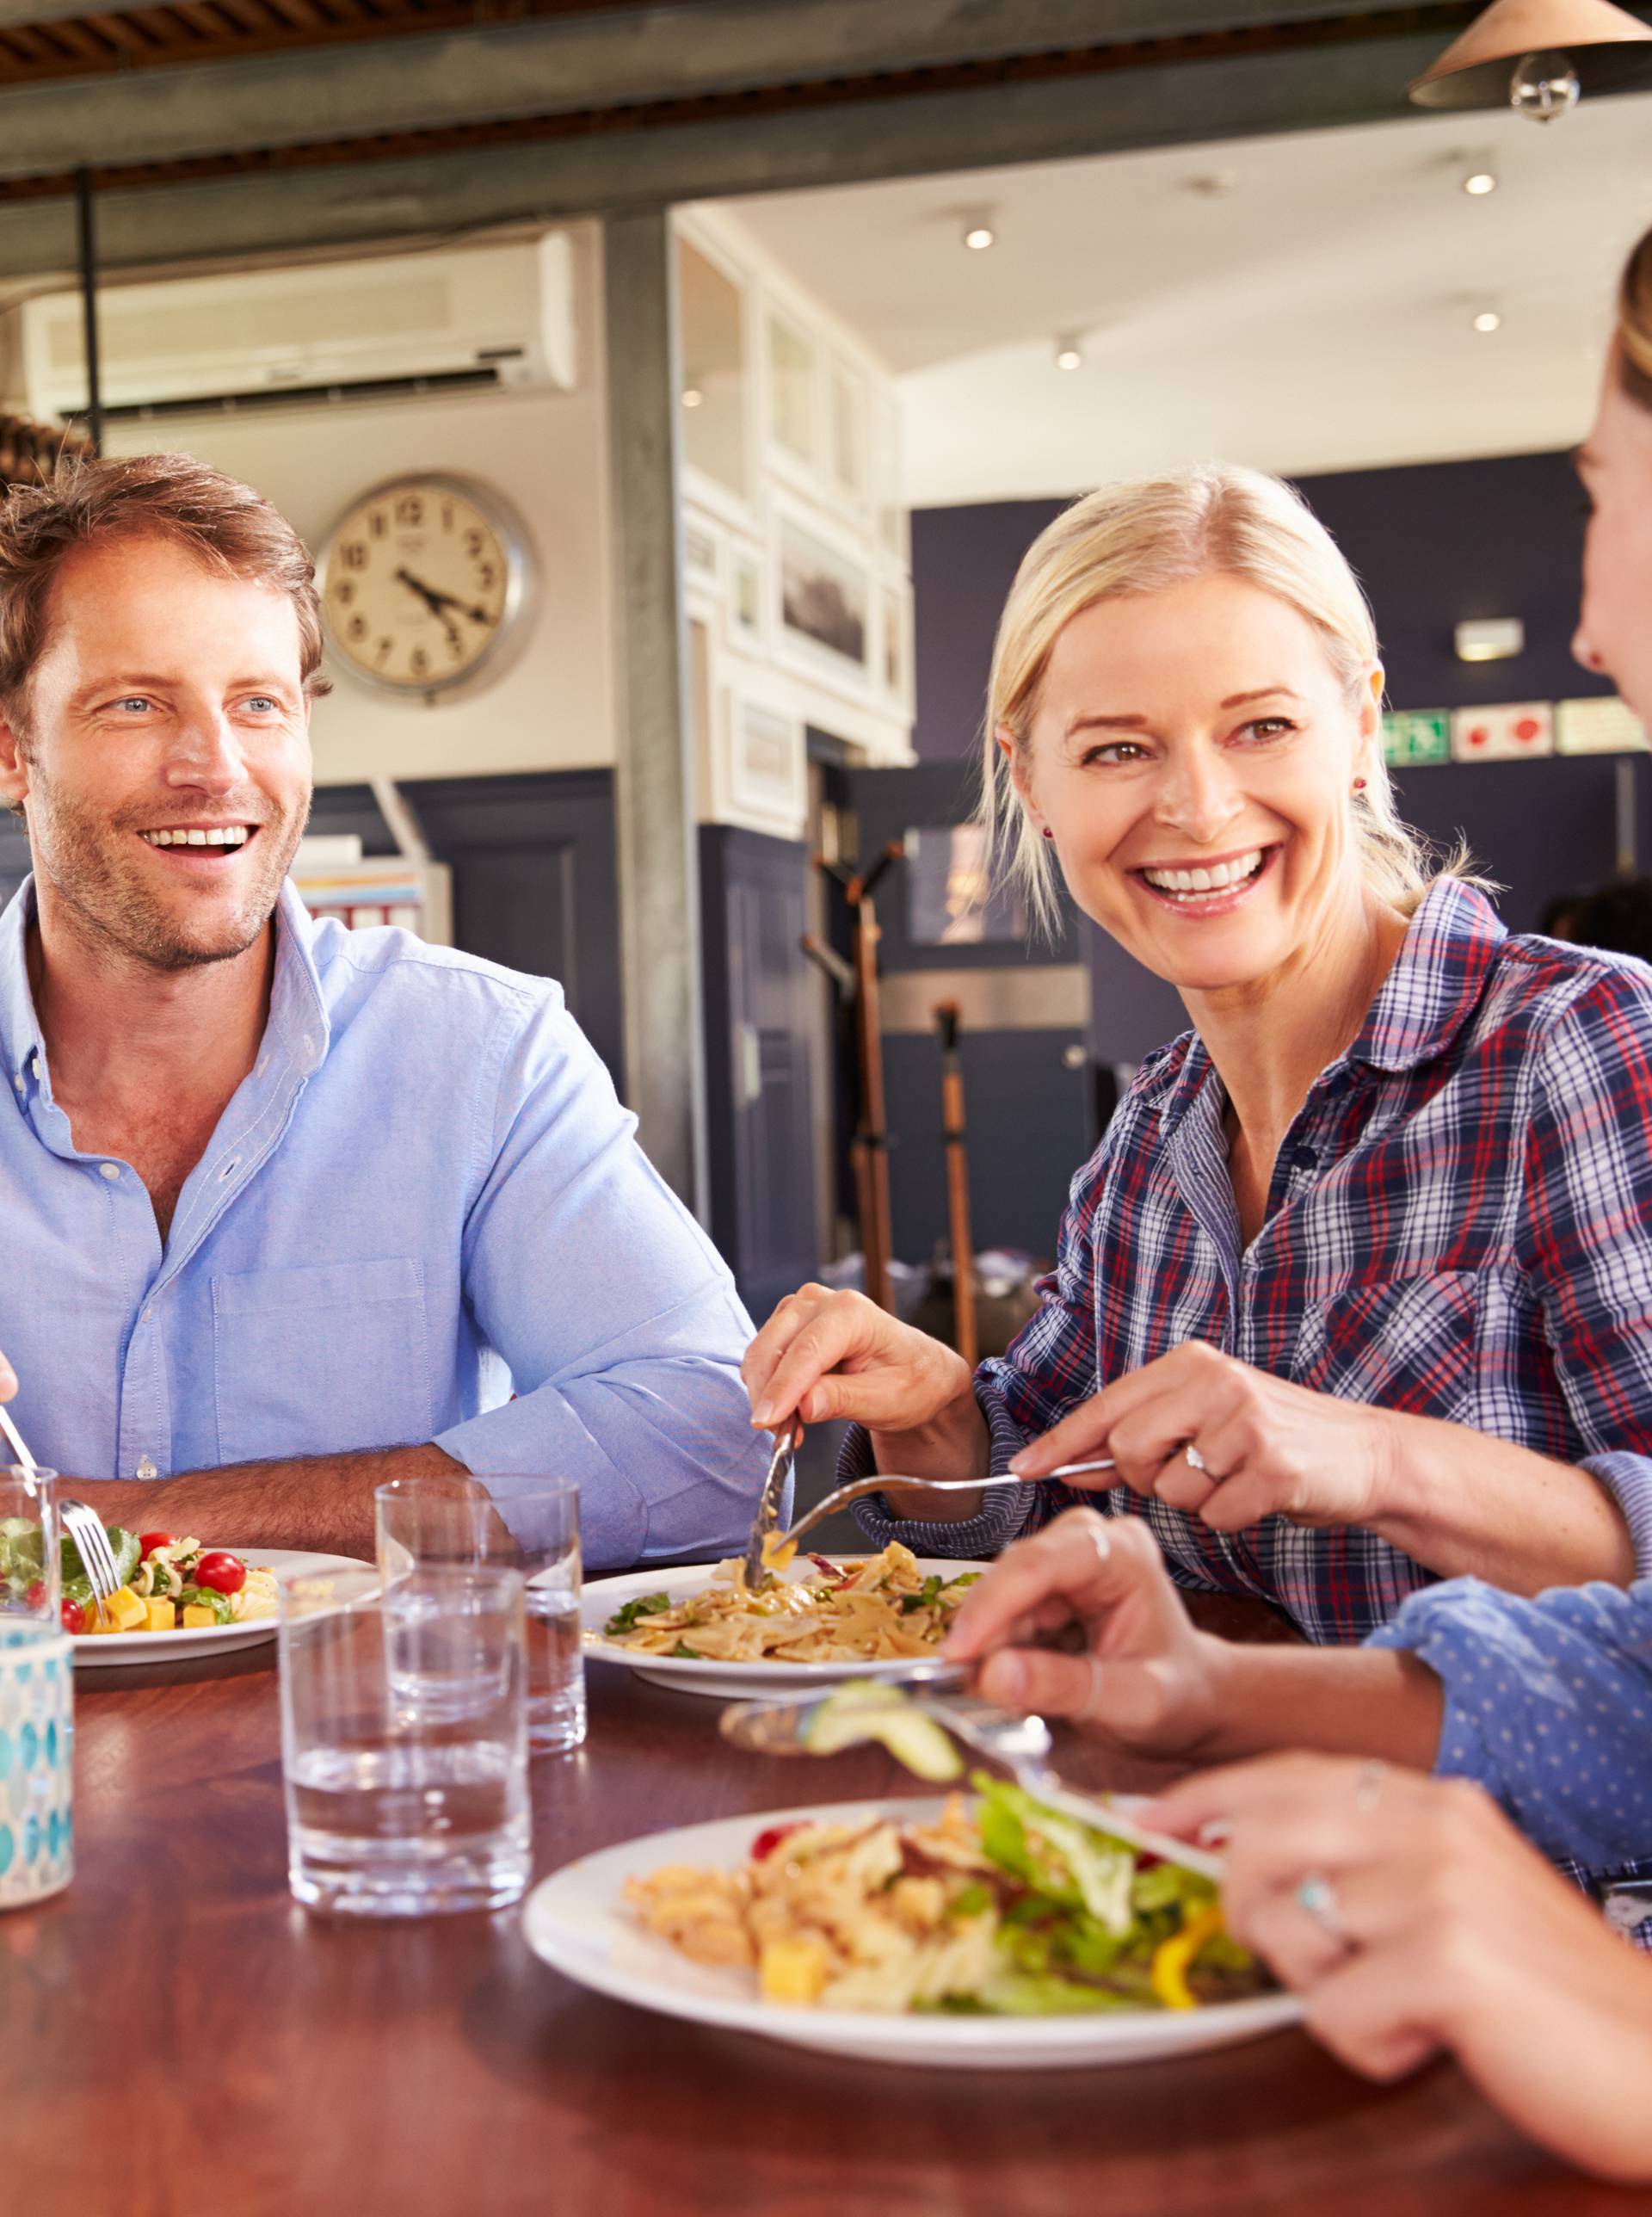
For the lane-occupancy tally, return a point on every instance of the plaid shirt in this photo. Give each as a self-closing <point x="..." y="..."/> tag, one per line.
<point x="1460" y="1226"/>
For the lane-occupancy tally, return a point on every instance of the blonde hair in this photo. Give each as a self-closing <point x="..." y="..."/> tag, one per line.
<point x="1142" y="538"/>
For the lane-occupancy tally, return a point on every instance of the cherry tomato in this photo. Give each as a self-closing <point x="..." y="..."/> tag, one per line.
<point x="226" y="1574"/>
<point x="766" y="1843"/>
<point x="151" y="1540"/>
<point x="74" y="1616"/>
<point x="36" y="1594"/>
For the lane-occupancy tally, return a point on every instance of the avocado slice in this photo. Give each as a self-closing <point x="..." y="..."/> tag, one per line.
<point x="867" y="1711"/>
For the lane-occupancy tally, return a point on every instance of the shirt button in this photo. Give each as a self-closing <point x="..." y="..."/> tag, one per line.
<point x="1305" y="1158"/>
<point x="18" y="1082"/>
<point x="35" y="1064"/>
<point x="146" y="1316"/>
<point x="146" y="1469"/>
<point x="111" y="1170"/>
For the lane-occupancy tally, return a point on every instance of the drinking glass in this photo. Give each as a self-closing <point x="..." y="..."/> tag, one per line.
<point x="399" y="1805"/>
<point x="30" y="1568"/>
<point x="530" y="1524"/>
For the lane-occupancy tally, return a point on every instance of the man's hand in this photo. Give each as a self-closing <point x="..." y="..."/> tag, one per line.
<point x="1259" y="1446"/>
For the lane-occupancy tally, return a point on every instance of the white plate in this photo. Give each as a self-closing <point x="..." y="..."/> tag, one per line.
<point x="577" y="1922"/>
<point x="109" y="1649"/>
<point x="725" y="1682"/>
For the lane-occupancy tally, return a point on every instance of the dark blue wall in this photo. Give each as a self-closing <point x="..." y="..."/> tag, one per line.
<point x="1433" y="544"/>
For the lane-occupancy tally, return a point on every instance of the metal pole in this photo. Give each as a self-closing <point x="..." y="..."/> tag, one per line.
<point x="948" y="1019"/>
<point x="88" y="240"/>
<point x="654" y="787"/>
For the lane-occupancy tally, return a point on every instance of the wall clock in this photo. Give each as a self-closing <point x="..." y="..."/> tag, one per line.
<point x="427" y="585"/>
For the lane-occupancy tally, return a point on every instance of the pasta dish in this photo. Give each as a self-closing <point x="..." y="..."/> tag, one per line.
<point x="1006" y="1909"/>
<point x="884" y="1610"/>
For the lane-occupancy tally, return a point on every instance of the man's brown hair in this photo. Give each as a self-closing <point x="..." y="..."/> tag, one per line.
<point x="228" y="526"/>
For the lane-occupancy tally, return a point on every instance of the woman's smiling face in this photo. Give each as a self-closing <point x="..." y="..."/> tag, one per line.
<point x="1194" y="751"/>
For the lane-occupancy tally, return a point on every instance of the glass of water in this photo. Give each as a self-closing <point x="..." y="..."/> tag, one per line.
<point x="28" y="1545"/>
<point x="404" y="1739"/>
<point x="530" y="1524"/>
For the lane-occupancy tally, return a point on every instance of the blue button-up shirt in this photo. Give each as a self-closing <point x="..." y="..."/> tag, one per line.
<point x="423" y="1199"/>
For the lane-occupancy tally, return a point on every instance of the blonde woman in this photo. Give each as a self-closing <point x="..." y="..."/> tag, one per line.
<point x="1407" y="1910"/>
<point x="1356" y="1289"/>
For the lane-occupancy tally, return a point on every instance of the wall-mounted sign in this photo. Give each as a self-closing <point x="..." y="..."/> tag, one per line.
<point x="1602" y="725"/>
<point x="1503" y="734"/>
<point x="1411" y="736"/>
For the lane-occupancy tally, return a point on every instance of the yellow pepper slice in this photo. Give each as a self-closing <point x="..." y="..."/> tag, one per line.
<point x="1173" y="1958"/>
<point x="778" y="1553"/>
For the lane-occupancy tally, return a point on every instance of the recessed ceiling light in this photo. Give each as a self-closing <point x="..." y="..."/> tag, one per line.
<point x="1488" y="320"/>
<point x="1068" y="355"/>
<point x="692" y="395"/>
<point x="1478" y="183"/>
<point x="978" y="237"/>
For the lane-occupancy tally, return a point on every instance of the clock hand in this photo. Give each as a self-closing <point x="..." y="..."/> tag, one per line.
<point x="437" y="601"/>
<point x="433" y="601"/>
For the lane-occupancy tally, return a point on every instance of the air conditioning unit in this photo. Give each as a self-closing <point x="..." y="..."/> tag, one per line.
<point x="487" y="315"/>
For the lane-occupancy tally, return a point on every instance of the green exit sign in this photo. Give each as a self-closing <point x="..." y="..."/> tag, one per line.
<point x="1411" y="736"/>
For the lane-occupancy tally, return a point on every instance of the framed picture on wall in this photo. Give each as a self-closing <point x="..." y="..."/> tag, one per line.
<point x="715" y="397"/>
<point x="793" y="368"/>
<point x="896" y="657"/>
<point x="768" y="776"/>
<point x="848" y="436"/>
<point x="883" y="475"/>
<point x="746" y="597"/>
<point x="825" y="599"/>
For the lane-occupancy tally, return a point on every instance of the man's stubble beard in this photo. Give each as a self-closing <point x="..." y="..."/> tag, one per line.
<point x="78" y="852"/>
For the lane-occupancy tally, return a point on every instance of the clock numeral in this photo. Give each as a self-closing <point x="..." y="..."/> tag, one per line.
<point x="485" y="574"/>
<point x="409" y="508"/>
<point x="455" y="646"/>
<point x="354" y="554"/>
<point x="344" y="592"/>
<point x="382" y="654"/>
<point x="358" y="626"/>
<point x="475" y="544"/>
<point x="378" y="523"/>
<point x="447" y="515"/>
<point x="420" y="662"/>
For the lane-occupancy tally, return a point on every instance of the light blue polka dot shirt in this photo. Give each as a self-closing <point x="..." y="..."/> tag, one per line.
<point x="1548" y="1707"/>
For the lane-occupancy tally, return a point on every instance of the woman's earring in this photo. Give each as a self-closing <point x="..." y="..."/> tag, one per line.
<point x="1048" y="833"/>
<point x="1359" y="785"/>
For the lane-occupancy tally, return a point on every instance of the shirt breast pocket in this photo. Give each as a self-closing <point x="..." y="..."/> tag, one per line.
<point x="1408" y="1343"/>
<point x="324" y="1360"/>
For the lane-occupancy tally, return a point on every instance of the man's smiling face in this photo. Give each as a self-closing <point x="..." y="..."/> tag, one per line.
<point x="163" y="753"/>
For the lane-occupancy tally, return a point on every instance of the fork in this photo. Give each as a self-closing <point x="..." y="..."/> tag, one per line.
<point x="1019" y="1745"/>
<point x="85" y="1527"/>
<point x="842" y="1496"/>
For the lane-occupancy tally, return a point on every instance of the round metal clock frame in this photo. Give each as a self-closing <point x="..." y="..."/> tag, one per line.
<point x="510" y="633"/>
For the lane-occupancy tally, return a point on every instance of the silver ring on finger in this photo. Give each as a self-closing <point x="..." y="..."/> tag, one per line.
<point x="1193" y="1460"/>
<point x="1317" y="1897"/>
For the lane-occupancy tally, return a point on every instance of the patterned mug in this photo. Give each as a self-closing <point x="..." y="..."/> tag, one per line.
<point x="37" y="1746"/>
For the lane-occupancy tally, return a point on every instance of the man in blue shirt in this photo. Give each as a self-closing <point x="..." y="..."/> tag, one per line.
<point x="290" y="1211"/>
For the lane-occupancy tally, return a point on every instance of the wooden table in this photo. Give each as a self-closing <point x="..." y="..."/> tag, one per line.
<point x="179" y="2036"/>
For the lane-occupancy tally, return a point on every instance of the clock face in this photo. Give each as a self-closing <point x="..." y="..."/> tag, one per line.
<point x="422" y="580"/>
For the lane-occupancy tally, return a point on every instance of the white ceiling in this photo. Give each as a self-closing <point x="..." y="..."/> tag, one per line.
<point x="1302" y="303"/>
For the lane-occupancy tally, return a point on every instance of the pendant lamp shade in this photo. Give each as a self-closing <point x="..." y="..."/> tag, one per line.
<point x="1603" y="46"/>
